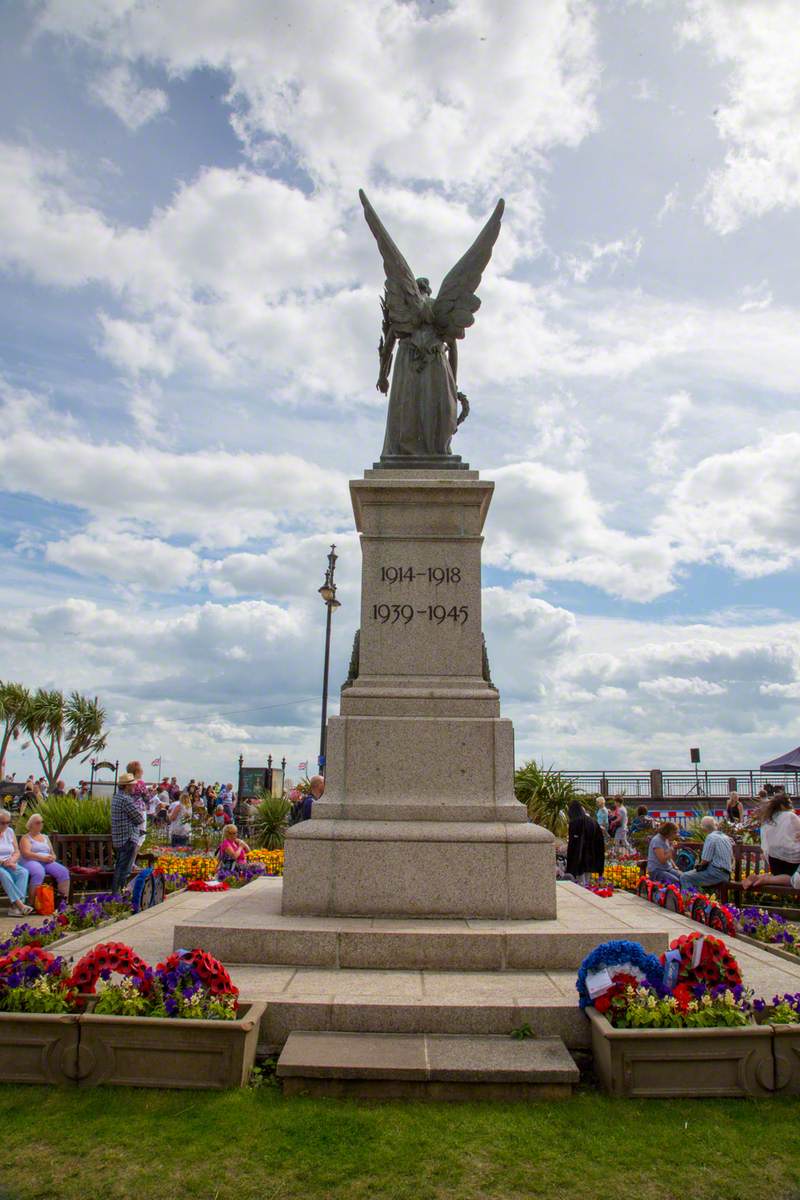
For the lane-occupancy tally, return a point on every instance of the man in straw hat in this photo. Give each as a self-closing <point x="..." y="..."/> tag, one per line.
<point x="127" y="820"/>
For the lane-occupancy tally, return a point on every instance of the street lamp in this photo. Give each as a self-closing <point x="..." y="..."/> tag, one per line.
<point x="328" y="593"/>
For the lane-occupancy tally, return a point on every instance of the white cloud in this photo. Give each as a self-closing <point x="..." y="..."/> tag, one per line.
<point x="610" y="255"/>
<point x="760" y="43"/>
<point x="218" y="498"/>
<point x="495" y="83"/>
<point x="546" y="523"/>
<point x="669" y="204"/>
<point x="741" y="508"/>
<point x="134" y="104"/>
<point x="125" y="558"/>
<point x="755" y="296"/>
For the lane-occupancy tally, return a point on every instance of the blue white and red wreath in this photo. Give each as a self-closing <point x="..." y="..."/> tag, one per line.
<point x="615" y="962"/>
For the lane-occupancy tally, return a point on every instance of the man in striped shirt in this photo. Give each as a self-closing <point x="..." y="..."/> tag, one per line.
<point x="127" y="820"/>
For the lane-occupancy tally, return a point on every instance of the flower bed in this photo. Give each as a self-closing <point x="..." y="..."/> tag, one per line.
<point x="70" y="919"/>
<point x="188" y="867"/>
<point x="770" y="929"/>
<point x="624" y="876"/>
<point x="81" y="1025"/>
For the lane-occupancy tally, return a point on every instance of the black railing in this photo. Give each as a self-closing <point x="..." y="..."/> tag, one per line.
<point x="681" y="785"/>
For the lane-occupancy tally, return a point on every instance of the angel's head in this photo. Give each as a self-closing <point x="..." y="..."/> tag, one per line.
<point x="424" y="286"/>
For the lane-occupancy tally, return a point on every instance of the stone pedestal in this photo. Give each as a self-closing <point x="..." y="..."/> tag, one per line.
<point x="419" y="816"/>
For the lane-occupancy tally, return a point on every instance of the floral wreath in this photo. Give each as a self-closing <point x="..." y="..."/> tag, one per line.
<point x="609" y="968"/>
<point x="102" y="960"/>
<point x="669" y="889"/>
<point x="708" y="911"/>
<point x="210" y="970"/>
<point x="705" y="959"/>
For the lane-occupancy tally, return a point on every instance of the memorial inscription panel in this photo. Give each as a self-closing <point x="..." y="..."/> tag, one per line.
<point x="421" y="607"/>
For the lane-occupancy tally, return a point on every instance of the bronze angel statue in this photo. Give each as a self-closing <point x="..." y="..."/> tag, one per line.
<point x="424" y="398"/>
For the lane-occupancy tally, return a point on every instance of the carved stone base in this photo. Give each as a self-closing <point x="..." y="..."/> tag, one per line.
<point x="416" y="462"/>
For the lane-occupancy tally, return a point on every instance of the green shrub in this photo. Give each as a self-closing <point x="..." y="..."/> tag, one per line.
<point x="271" y="821"/>
<point x="547" y="796"/>
<point x="66" y="814"/>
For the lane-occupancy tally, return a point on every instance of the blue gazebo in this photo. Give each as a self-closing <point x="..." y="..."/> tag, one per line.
<point x="785" y="762"/>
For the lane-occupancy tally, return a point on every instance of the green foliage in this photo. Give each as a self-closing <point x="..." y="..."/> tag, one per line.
<point x="63" y="729"/>
<point x="66" y="814"/>
<point x="45" y="995"/>
<point x="547" y="796"/>
<point x="271" y="821"/>
<point x="14" y="701"/>
<point x="641" y="1008"/>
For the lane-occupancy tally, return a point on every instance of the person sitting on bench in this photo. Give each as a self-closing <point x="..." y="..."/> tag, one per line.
<point x="660" y="864"/>
<point x="716" y="859"/>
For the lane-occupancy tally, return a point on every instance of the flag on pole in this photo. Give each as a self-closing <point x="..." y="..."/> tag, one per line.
<point x="156" y="762"/>
<point x="303" y="766"/>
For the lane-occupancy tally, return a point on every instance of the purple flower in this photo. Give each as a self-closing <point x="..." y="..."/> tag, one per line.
<point x="171" y="1006"/>
<point x="759" y="1005"/>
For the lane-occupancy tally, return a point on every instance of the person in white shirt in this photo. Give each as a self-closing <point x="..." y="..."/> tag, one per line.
<point x="780" y="834"/>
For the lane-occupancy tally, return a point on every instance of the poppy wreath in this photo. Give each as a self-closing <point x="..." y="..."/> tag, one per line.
<point x="714" y="966"/>
<point x="707" y="911"/>
<point x="669" y="896"/>
<point x="207" y="885"/>
<point x="209" y="970"/>
<point x="109" y="956"/>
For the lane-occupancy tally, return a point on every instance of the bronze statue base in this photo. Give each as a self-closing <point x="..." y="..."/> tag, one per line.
<point x="415" y="462"/>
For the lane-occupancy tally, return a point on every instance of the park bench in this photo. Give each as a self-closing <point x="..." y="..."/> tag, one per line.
<point x="89" y="858"/>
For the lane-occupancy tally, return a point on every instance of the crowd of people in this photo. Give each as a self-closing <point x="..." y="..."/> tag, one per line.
<point x="772" y="817"/>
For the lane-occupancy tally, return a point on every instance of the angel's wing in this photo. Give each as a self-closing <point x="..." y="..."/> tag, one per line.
<point x="457" y="301"/>
<point x="403" y="297"/>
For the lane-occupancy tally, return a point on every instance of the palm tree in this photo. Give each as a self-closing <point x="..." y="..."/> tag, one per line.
<point x="63" y="729"/>
<point x="546" y="795"/>
<point x="14" y="700"/>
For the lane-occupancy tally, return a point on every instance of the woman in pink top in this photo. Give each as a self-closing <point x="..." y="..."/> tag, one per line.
<point x="232" y="850"/>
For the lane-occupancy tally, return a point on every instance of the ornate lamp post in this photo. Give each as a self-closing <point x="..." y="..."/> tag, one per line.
<point x="328" y="593"/>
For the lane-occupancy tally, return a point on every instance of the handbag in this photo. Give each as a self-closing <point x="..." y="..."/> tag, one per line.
<point x="44" y="901"/>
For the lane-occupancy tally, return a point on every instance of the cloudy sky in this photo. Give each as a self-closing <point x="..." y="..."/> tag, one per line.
<point x="187" y="357"/>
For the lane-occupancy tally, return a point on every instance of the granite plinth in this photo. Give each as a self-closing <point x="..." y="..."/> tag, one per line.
<point x="419" y="868"/>
<point x="419" y="816"/>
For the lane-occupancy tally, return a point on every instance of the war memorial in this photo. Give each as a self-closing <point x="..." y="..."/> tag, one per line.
<point x="418" y="945"/>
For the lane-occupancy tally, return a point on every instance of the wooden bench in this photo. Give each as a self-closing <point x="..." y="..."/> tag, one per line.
<point x="89" y="858"/>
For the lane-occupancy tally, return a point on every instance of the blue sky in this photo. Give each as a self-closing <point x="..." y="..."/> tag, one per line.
<point x="187" y="357"/>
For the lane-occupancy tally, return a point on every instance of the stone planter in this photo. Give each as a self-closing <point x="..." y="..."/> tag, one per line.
<point x="787" y="1058"/>
<point x="683" y="1062"/>
<point x="773" y="949"/>
<point x="38" y="1047"/>
<point x="159" y="1052"/>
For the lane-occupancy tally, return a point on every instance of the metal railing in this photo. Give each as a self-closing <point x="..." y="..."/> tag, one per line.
<point x="660" y="785"/>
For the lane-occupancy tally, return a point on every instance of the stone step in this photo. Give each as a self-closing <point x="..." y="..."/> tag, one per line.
<point x="249" y="927"/>
<point x="426" y="1066"/>
<point x="413" y="1002"/>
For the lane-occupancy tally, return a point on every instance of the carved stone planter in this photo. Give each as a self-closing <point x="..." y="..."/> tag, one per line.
<point x="38" y="1047"/>
<point x="787" y="1058"/>
<point x="683" y="1062"/>
<point x="159" y="1052"/>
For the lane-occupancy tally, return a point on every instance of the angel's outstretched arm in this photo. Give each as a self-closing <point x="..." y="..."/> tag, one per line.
<point x="386" y="351"/>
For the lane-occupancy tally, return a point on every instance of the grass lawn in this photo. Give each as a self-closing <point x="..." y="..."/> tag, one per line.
<point x="116" y="1143"/>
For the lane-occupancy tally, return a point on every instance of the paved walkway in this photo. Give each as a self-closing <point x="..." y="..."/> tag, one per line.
<point x="151" y="935"/>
